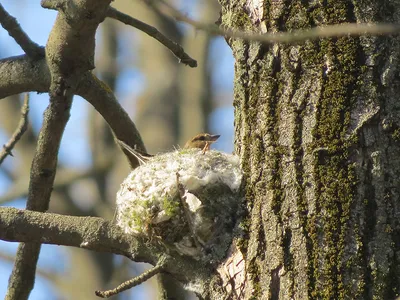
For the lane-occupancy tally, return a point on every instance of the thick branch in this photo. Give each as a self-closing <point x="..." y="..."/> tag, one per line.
<point x="90" y="233"/>
<point x="20" y="74"/>
<point x="10" y="24"/>
<point x="71" y="44"/>
<point x="175" y="48"/>
<point x="42" y="176"/>
<point x="83" y="232"/>
<point x="69" y="55"/>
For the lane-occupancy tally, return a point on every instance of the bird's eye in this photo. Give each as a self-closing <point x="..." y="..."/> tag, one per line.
<point x="202" y="138"/>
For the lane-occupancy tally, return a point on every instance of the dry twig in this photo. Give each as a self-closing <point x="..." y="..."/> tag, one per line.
<point x="22" y="126"/>
<point x="175" y="48"/>
<point x="133" y="282"/>
<point x="296" y="36"/>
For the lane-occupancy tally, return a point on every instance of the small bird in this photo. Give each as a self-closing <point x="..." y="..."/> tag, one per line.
<point x="201" y="141"/>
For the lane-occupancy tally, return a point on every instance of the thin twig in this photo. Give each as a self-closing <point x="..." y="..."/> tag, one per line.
<point x="133" y="282"/>
<point x="22" y="126"/>
<point x="327" y="31"/>
<point x="175" y="48"/>
<point x="10" y="24"/>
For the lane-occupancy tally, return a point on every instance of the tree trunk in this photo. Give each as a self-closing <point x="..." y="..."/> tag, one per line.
<point x="317" y="126"/>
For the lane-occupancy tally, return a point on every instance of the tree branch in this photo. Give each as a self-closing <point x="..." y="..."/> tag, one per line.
<point x="42" y="176"/>
<point x="22" y="126"/>
<point x="133" y="282"/>
<point x="20" y="74"/>
<point x="10" y="24"/>
<point x="175" y="48"/>
<point x="97" y="234"/>
<point x="296" y="36"/>
<point x="83" y="232"/>
<point x="69" y="54"/>
<point x="94" y="234"/>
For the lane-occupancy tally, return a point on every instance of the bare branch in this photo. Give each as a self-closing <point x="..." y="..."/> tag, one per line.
<point x="19" y="74"/>
<point x="133" y="282"/>
<point x="42" y="176"/>
<point x="22" y="126"/>
<point x="69" y="56"/>
<point x="175" y="48"/>
<point x="10" y="24"/>
<point x="97" y="234"/>
<point x="83" y="232"/>
<point x="90" y="233"/>
<point x="296" y="36"/>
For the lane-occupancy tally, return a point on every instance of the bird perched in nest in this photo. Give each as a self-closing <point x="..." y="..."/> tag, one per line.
<point x="201" y="141"/>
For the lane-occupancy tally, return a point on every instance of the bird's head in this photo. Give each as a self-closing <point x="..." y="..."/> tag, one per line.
<point x="201" y="140"/>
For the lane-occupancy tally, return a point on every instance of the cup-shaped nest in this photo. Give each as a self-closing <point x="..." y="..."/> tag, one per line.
<point x="187" y="198"/>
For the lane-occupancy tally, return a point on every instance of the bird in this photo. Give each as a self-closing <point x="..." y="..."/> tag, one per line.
<point x="201" y="141"/>
<point x="141" y="156"/>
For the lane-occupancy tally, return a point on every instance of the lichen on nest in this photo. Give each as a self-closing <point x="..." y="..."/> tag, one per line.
<point x="186" y="198"/>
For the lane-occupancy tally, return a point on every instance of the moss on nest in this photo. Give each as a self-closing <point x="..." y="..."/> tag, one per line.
<point x="202" y="211"/>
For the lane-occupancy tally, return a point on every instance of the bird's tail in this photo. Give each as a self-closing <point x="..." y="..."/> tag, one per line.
<point x="142" y="157"/>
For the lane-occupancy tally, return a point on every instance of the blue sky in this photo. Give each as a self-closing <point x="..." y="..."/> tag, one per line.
<point x="75" y="154"/>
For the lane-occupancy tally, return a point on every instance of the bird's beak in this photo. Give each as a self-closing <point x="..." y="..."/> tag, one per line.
<point x="215" y="137"/>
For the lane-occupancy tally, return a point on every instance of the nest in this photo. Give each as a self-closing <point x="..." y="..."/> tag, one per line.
<point x="187" y="199"/>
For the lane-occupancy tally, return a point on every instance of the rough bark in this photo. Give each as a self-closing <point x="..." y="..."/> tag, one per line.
<point x="317" y="128"/>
